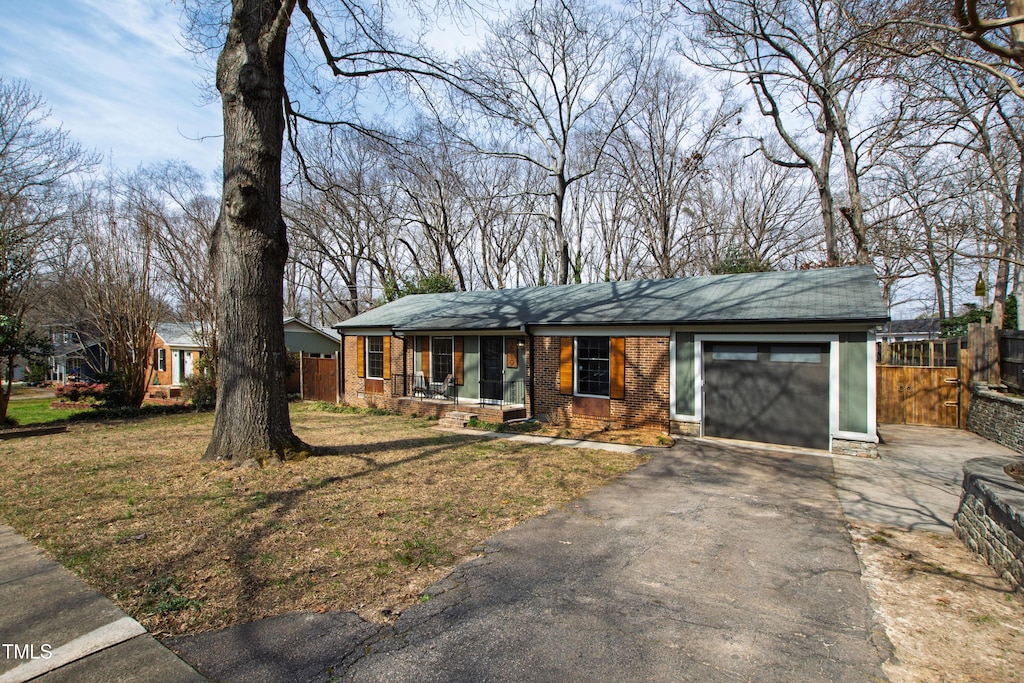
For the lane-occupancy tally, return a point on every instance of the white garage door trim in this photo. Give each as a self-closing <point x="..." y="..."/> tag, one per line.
<point x="833" y="376"/>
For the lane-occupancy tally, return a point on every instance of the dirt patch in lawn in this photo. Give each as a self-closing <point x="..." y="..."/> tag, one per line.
<point x="948" y="615"/>
<point x="185" y="546"/>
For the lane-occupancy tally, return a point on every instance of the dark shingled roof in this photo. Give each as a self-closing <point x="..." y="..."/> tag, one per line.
<point x="825" y="295"/>
<point x="931" y="326"/>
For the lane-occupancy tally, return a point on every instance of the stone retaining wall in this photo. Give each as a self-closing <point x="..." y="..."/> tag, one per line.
<point x="997" y="417"/>
<point x="990" y="519"/>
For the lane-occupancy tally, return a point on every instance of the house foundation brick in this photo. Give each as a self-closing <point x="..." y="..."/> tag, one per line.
<point x="685" y="428"/>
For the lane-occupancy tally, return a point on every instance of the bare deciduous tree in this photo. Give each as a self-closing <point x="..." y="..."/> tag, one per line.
<point x="662" y="154"/>
<point x="806" y="65"/>
<point x="37" y="162"/>
<point x="179" y="213"/>
<point x="561" y="76"/>
<point x="116" y="281"/>
<point x="250" y="244"/>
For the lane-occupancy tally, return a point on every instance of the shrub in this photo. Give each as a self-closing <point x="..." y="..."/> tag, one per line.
<point x="201" y="390"/>
<point x="75" y="392"/>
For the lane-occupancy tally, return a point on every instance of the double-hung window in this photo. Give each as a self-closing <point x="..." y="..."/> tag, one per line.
<point x="375" y="357"/>
<point x="160" y="360"/>
<point x="441" y="354"/>
<point x="593" y="366"/>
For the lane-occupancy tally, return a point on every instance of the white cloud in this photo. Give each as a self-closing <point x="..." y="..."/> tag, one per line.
<point x="115" y="74"/>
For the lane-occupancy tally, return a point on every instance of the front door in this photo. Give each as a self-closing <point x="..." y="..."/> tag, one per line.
<point x="492" y="368"/>
<point x="177" y="367"/>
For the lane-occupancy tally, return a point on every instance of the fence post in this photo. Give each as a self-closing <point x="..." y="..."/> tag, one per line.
<point x="983" y="344"/>
<point x="965" y="386"/>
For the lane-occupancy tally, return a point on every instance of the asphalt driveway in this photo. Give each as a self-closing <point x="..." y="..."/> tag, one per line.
<point x="709" y="563"/>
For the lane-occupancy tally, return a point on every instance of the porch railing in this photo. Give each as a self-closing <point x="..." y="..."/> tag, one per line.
<point x="427" y="388"/>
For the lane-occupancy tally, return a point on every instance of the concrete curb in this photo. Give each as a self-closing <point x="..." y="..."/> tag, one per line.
<point x="55" y="628"/>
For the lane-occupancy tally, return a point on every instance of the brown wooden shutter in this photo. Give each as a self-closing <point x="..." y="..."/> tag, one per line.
<point x="617" y="367"/>
<point x="387" y="357"/>
<point x="457" y="359"/>
<point x="511" y="352"/>
<point x="425" y="356"/>
<point x="565" y="367"/>
<point x="360" y="356"/>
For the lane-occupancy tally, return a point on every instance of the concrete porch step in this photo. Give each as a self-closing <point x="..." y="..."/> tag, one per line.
<point x="455" y="418"/>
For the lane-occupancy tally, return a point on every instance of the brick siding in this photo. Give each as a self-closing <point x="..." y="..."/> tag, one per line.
<point x="354" y="387"/>
<point x="646" y="402"/>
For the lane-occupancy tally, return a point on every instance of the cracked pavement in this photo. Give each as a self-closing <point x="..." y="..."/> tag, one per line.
<point x="710" y="562"/>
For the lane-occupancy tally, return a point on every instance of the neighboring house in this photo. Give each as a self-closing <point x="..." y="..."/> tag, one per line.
<point x="176" y="354"/>
<point x="783" y="358"/>
<point x="75" y="357"/>
<point x="176" y="351"/>
<point x="312" y="342"/>
<point x="910" y="330"/>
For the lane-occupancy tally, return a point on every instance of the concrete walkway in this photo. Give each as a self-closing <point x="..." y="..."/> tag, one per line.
<point x="708" y="563"/>
<point x="915" y="482"/>
<point x="55" y="628"/>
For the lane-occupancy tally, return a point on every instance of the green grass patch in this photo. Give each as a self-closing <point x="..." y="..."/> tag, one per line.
<point x="34" y="411"/>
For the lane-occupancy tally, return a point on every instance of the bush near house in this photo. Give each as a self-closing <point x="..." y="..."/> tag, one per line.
<point x="76" y="392"/>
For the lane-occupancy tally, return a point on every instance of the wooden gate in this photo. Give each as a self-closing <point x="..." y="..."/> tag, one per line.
<point x="320" y="379"/>
<point x="919" y="395"/>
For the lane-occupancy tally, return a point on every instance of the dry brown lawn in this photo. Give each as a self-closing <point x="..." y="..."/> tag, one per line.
<point x="948" y="615"/>
<point x="185" y="546"/>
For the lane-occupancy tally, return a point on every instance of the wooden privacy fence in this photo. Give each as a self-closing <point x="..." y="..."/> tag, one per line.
<point x="927" y="382"/>
<point x="319" y="379"/>
<point x="944" y="353"/>
<point x="1011" y="359"/>
<point x="919" y="382"/>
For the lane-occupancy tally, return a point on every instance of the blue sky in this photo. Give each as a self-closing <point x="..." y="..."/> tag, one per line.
<point x="115" y="74"/>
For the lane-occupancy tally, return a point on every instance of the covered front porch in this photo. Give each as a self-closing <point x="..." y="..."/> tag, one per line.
<point x="491" y="401"/>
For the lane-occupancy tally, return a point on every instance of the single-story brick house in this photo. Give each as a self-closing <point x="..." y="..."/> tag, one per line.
<point x="176" y="350"/>
<point x="783" y="357"/>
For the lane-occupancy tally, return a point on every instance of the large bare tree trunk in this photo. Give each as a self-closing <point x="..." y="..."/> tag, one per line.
<point x="250" y="247"/>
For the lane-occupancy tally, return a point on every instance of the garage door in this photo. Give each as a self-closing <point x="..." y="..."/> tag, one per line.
<point x="774" y="393"/>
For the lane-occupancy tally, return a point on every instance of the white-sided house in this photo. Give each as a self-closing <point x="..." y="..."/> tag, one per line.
<point x="782" y="358"/>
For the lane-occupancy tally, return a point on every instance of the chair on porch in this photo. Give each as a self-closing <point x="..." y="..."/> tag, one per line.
<point x="442" y="390"/>
<point x="419" y="385"/>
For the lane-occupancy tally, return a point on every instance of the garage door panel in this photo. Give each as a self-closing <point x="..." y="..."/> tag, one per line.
<point x="781" y="397"/>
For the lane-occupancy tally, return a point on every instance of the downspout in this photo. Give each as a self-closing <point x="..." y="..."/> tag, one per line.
<point x="529" y="369"/>
<point x="405" y="364"/>
<point x="341" y="370"/>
